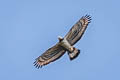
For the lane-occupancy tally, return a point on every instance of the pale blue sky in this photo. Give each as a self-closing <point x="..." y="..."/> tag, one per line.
<point x="29" y="27"/>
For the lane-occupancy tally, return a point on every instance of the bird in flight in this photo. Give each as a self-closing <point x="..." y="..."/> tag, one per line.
<point x="65" y="44"/>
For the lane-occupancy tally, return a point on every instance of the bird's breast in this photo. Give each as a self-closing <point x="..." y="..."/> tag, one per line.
<point x="64" y="43"/>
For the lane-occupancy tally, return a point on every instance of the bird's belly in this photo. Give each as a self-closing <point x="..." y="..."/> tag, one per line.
<point x="66" y="45"/>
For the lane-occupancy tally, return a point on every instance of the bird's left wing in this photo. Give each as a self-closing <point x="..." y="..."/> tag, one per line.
<point x="50" y="55"/>
<point x="78" y="29"/>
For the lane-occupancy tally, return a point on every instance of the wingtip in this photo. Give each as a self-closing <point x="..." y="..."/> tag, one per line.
<point x="88" y="17"/>
<point x="37" y="65"/>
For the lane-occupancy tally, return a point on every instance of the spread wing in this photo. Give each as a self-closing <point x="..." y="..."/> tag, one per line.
<point x="50" y="55"/>
<point x="78" y="30"/>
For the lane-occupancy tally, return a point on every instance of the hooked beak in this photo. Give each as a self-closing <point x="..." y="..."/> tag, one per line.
<point x="60" y="38"/>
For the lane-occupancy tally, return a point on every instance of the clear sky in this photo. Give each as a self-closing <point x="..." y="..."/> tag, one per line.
<point x="29" y="27"/>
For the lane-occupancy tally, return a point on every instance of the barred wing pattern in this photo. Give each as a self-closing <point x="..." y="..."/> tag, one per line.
<point x="50" y="55"/>
<point x="78" y="30"/>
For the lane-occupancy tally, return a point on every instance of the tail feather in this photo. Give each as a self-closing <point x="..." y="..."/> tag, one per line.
<point x="74" y="54"/>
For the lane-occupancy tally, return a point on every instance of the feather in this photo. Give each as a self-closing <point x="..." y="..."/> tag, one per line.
<point x="78" y="29"/>
<point x="50" y="55"/>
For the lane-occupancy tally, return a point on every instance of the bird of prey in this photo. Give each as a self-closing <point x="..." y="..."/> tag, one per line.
<point x="65" y="44"/>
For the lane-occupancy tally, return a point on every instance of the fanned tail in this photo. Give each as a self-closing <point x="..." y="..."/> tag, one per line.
<point x="74" y="54"/>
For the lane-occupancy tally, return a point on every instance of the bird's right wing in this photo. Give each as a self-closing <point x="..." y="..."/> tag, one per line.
<point x="50" y="55"/>
<point x="78" y="30"/>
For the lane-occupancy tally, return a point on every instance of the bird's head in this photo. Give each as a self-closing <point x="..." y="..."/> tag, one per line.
<point x="60" y="38"/>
